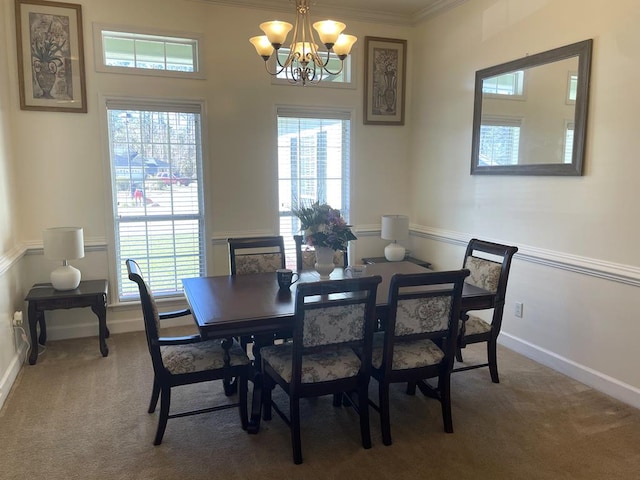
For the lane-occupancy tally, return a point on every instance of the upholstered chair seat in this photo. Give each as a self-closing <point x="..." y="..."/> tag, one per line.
<point x="475" y="325"/>
<point x="320" y="366"/>
<point x="407" y="353"/>
<point x="197" y="357"/>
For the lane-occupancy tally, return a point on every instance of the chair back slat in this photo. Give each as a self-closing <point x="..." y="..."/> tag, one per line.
<point x="149" y="313"/>
<point x="332" y="325"/>
<point x="256" y="254"/>
<point x="484" y="273"/>
<point x="429" y="314"/>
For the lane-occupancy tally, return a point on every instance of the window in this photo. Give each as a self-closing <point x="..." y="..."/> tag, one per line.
<point x="146" y="53"/>
<point x="509" y="84"/>
<point x="345" y="79"/>
<point x="156" y="162"/>
<point x="572" y="88"/>
<point x="568" y="141"/>
<point x="499" y="140"/>
<point x="313" y="165"/>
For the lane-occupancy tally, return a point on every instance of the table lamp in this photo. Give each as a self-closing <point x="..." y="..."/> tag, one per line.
<point x="394" y="228"/>
<point x="64" y="244"/>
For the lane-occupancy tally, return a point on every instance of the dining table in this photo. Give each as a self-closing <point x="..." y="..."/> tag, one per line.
<point x="253" y="305"/>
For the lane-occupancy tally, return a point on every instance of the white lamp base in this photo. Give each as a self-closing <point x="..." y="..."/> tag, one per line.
<point x="65" y="277"/>
<point x="394" y="252"/>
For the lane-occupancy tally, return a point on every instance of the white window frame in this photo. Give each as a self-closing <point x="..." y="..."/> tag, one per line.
<point x="318" y="113"/>
<point x="162" y="35"/>
<point x="349" y="63"/>
<point x="119" y="268"/>
<point x="568" y="141"/>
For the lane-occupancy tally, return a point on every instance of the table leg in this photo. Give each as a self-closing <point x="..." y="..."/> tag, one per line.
<point x="103" y="332"/>
<point x="256" y="404"/>
<point x="33" y="331"/>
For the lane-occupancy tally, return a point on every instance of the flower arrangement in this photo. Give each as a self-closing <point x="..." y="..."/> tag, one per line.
<point x="323" y="226"/>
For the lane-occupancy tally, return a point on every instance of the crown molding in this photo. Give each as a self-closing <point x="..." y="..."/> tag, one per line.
<point x="435" y="8"/>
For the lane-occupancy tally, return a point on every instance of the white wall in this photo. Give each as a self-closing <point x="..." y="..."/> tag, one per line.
<point x="573" y="319"/>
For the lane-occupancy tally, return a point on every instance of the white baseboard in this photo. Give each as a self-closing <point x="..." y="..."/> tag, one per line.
<point x="11" y="373"/>
<point x="597" y="380"/>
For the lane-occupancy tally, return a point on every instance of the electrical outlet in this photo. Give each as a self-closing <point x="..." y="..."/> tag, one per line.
<point x="518" y="309"/>
<point x="17" y="319"/>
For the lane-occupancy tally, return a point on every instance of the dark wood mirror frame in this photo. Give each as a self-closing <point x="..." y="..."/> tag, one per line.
<point x="581" y="50"/>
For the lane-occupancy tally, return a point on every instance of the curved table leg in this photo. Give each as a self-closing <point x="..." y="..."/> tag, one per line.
<point x="34" y="319"/>
<point x="103" y="331"/>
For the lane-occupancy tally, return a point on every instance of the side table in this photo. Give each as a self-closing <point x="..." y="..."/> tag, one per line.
<point x="370" y="260"/>
<point x="42" y="297"/>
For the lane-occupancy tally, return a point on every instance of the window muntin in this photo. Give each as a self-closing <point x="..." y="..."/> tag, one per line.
<point x="156" y="162"/>
<point x="148" y="53"/>
<point x="313" y="165"/>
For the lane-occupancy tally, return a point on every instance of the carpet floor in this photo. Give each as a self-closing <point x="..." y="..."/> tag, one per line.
<point x="76" y="415"/>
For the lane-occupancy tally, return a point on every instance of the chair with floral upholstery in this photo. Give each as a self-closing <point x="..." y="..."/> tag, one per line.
<point x="256" y="254"/>
<point x="306" y="256"/>
<point x="419" y="340"/>
<point x="489" y="264"/>
<point x="333" y="320"/>
<point x="186" y="360"/>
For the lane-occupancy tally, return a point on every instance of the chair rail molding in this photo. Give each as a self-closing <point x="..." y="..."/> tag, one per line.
<point x="615" y="272"/>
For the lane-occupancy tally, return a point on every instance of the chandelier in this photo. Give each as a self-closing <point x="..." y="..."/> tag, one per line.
<point x="304" y="62"/>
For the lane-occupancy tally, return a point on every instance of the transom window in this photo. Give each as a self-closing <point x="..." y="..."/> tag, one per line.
<point x="313" y="165"/>
<point x="146" y="53"/>
<point x="508" y="84"/>
<point x="156" y="162"/>
<point x="342" y="80"/>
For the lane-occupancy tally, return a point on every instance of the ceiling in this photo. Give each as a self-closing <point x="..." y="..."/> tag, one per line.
<point x="399" y="12"/>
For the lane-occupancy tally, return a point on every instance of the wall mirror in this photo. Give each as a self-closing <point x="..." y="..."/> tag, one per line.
<point x="530" y="114"/>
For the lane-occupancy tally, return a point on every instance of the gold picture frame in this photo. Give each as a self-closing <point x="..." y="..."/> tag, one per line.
<point x="385" y="68"/>
<point x="50" y="56"/>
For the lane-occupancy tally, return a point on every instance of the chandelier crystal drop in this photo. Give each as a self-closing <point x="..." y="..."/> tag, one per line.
<point x="304" y="64"/>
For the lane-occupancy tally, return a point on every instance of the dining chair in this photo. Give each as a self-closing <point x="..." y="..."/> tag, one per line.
<point x="256" y="254"/>
<point x="419" y="340"/>
<point x="306" y="255"/>
<point x="489" y="264"/>
<point x="186" y="360"/>
<point x="333" y="319"/>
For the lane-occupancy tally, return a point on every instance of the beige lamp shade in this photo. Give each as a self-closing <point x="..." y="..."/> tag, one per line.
<point x="63" y="244"/>
<point x="394" y="228"/>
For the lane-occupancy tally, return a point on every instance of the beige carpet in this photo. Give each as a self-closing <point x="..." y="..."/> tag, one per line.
<point x="76" y="415"/>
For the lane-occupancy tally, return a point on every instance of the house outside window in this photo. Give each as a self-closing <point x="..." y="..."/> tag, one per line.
<point x="156" y="184"/>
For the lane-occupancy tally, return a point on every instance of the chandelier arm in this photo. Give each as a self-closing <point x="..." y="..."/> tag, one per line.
<point x="277" y="71"/>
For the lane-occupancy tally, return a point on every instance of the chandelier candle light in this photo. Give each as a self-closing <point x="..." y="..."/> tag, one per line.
<point x="395" y="227"/>
<point x="304" y="63"/>
<point x="63" y="244"/>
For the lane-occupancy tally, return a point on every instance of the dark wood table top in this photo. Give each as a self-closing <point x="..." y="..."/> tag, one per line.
<point x="86" y="288"/>
<point x="231" y="305"/>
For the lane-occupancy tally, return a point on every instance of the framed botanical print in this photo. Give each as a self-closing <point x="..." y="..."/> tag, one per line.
<point x="50" y="56"/>
<point x="384" y="80"/>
